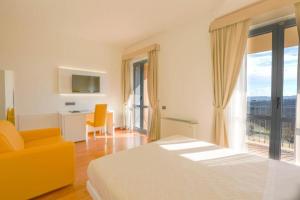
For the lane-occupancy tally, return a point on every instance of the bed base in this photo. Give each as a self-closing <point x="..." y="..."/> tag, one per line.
<point x="92" y="191"/>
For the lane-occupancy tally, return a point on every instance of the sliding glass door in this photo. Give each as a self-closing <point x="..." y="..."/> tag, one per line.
<point x="288" y="110"/>
<point x="259" y="92"/>
<point x="141" y="108"/>
<point x="272" y="64"/>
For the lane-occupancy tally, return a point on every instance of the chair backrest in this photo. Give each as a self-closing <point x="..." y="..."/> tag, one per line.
<point x="100" y="115"/>
<point x="10" y="139"/>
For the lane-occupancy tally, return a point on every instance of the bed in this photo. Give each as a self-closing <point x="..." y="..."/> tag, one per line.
<point x="179" y="168"/>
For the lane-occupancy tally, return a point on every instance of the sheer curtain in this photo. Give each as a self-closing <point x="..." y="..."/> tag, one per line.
<point x="236" y="113"/>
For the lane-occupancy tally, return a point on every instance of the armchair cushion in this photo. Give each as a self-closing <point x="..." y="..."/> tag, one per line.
<point x="38" y="134"/>
<point x="10" y="139"/>
<point x="43" y="142"/>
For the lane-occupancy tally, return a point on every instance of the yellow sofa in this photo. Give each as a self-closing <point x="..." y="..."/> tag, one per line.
<point x="33" y="162"/>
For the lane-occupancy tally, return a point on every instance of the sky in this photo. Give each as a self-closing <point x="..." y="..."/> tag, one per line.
<point x="259" y="70"/>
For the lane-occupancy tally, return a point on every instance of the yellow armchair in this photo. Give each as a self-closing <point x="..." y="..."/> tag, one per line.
<point x="42" y="163"/>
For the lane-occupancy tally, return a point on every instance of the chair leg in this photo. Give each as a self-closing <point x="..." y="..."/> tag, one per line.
<point x="94" y="134"/>
<point x="86" y="134"/>
<point x="105" y="131"/>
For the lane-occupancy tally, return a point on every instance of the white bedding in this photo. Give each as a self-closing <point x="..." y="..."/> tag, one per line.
<point x="180" y="168"/>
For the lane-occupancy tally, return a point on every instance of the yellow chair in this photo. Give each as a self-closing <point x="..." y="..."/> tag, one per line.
<point x="33" y="162"/>
<point x="99" y="123"/>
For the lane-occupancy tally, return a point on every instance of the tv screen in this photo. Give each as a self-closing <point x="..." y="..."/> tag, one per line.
<point x="85" y="84"/>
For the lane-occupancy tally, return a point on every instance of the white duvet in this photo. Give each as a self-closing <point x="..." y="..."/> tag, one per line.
<point x="180" y="168"/>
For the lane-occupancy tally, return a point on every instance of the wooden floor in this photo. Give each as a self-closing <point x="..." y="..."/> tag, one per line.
<point x="85" y="153"/>
<point x="263" y="150"/>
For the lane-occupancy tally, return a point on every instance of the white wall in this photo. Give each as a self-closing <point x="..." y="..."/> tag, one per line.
<point x="185" y="77"/>
<point x="34" y="51"/>
<point x="231" y="5"/>
<point x="9" y="89"/>
<point x="6" y="92"/>
<point x="35" y="56"/>
<point x="2" y="95"/>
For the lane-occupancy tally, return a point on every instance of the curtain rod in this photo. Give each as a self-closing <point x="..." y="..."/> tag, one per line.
<point x="139" y="52"/>
<point x="249" y="12"/>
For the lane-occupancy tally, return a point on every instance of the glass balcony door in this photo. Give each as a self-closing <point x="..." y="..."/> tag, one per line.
<point x="259" y="92"/>
<point x="272" y="64"/>
<point x="289" y="98"/>
<point x="140" y="96"/>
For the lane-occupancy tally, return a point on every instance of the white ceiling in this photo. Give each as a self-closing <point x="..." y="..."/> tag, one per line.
<point x="118" y="22"/>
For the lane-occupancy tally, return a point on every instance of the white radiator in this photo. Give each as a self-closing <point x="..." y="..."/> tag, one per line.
<point x="173" y="126"/>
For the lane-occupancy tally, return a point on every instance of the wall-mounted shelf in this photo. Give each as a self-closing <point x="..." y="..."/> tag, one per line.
<point x="65" y="80"/>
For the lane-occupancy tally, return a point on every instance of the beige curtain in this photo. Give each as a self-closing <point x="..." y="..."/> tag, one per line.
<point x="126" y="87"/>
<point x="152" y="73"/>
<point x="297" y="11"/>
<point x="227" y="48"/>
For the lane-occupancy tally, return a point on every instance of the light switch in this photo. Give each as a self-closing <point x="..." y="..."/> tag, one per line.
<point x="70" y="103"/>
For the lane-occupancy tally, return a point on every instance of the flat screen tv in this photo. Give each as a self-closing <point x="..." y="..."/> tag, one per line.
<point x="85" y="84"/>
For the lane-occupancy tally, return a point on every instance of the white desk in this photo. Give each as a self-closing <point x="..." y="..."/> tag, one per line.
<point x="73" y="125"/>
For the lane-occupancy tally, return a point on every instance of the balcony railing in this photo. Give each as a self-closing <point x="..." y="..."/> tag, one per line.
<point x="259" y="118"/>
<point x="259" y="129"/>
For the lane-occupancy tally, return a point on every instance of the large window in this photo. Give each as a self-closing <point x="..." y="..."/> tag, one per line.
<point x="272" y="64"/>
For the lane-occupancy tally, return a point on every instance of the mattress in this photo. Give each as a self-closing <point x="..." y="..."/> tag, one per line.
<point x="179" y="168"/>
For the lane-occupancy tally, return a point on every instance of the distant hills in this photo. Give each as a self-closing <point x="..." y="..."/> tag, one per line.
<point x="266" y="98"/>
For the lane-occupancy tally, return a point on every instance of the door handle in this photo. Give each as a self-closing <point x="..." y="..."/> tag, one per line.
<point x="278" y="102"/>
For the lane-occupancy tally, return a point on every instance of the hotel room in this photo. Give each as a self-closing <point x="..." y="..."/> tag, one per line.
<point x="150" y="100"/>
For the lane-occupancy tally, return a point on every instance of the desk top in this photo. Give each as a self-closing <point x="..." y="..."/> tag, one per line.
<point x="80" y="112"/>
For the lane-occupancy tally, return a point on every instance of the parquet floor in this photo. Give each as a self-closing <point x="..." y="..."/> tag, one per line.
<point x="85" y="153"/>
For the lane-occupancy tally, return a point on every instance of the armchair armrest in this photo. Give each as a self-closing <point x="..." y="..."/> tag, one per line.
<point x="34" y="171"/>
<point x="39" y="134"/>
